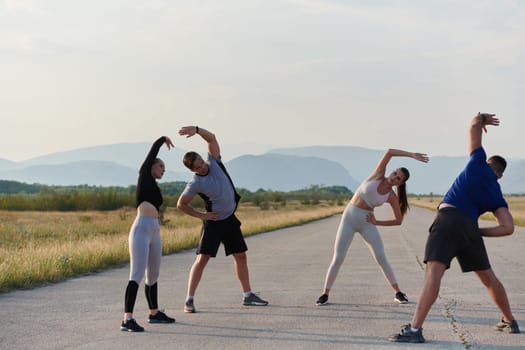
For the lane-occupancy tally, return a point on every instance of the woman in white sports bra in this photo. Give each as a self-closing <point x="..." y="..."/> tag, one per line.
<point x="359" y="217"/>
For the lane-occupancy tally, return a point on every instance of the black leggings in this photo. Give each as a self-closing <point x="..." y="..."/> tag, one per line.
<point x="131" y="296"/>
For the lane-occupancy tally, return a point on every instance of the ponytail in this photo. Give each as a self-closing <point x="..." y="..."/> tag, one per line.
<point x="402" y="193"/>
<point x="402" y="197"/>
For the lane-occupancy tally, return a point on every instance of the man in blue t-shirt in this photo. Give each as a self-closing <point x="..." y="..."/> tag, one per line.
<point x="220" y="225"/>
<point x="455" y="233"/>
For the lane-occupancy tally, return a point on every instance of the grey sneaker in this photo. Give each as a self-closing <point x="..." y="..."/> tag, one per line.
<point x="407" y="336"/>
<point x="189" y="307"/>
<point x="323" y="300"/>
<point x="401" y="298"/>
<point x="253" y="299"/>
<point x="508" y="327"/>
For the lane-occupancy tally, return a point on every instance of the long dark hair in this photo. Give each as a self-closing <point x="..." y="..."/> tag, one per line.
<point x="402" y="192"/>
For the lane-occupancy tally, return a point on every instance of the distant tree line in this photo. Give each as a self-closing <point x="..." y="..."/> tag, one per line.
<point x="22" y="197"/>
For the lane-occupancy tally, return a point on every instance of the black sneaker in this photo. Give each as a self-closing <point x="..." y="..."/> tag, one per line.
<point x="189" y="307"/>
<point x="401" y="298"/>
<point x="508" y="327"/>
<point x="254" y="300"/>
<point x="160" y="317"/>
<point x="131" y="326"/>
<point x="323" y="300"/>
<point x="407" y="336"/>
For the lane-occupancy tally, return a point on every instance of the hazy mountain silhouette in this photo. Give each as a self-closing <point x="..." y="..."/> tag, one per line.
<point x="89" y="172"/>
<point x="284" y="173"/>
<point x="435" y="176"/>
<point x="281" y="169"/>
<point x="127" y="154"/>
<point x="6" y="164"/>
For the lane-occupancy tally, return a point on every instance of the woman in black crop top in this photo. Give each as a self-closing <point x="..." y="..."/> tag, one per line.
<point x="145" y="248"/>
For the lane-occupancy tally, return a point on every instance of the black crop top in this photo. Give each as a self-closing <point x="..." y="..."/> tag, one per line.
<point x="147" y="188"/>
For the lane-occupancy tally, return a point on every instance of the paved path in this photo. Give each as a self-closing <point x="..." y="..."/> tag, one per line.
<point x="287" y="267"/>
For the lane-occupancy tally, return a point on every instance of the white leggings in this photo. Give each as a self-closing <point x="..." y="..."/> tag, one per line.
<point x="145" y="250"/>
<point x="354" y="220"/>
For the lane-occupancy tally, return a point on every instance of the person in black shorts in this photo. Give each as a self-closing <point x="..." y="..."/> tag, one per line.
<point x="455" y="233"/>
<point x="220" y="225"/>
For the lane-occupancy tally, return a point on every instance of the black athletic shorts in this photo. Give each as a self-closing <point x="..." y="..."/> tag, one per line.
<point x="455" y="234"/>
<point x="227" y="231"/>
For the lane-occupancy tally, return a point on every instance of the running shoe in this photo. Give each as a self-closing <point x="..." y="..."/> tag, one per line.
<point x="408" y="336"/>
<point x="189" y="307"/>
<point x="401" y="298"/>
<point x="508" y="327"/>
<point x="323" y="300"/>
<point x="254" y="300"/>
<point x="131" y="326"/>
<point x="160" y="317"/>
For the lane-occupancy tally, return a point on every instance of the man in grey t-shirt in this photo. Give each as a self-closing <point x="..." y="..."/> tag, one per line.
<point x="213" y="184"/>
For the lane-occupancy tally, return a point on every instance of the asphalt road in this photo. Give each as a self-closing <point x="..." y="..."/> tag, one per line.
<point x="287" y="267"/>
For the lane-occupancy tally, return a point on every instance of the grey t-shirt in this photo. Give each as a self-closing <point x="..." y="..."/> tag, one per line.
<point x="216" y="186"/>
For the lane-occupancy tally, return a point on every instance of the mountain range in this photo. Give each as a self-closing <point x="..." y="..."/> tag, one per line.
<point x="279" y="169"/>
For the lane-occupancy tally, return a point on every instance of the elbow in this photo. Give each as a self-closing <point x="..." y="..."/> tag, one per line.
<point x="505" y="229"/>
<point x="180" y="205"/>
<point x="508" y="229"/>
<point x="396" y="222"/>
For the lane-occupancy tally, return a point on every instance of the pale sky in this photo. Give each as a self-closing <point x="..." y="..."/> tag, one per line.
<point x="375" y="74"/>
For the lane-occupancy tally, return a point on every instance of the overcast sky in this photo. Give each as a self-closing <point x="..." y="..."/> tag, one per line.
<point x="376" y="74"/>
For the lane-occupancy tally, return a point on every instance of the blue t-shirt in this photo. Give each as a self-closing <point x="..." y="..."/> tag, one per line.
<point x="216" y="186"/>
<point x="476" y="189"/>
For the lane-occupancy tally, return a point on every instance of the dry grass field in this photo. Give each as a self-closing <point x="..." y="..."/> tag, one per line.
<point x="516" y="206"/>
<point x="43" y="247"/>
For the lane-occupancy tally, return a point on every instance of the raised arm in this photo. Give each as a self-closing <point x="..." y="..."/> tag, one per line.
<point x="209" y="137"/>
<point x="383" y="162"/>
<point x="477" y="126"/>
<point x="154" y="151"/>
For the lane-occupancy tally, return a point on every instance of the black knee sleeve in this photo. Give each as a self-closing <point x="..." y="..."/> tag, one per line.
<point x="151" y="296"/>
<point x="131" y="296"/>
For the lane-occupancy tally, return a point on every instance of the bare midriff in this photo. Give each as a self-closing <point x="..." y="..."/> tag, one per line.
<point x="359" y="202"/>
<point x="445" y="205"/>
<point x="147" y="209"/>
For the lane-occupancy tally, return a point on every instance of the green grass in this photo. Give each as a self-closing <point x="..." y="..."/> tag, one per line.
<point x="43" y="247"/>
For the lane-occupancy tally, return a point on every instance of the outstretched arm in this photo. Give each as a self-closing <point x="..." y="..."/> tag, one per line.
<point x="383" y="162"/>
<point x="213" y="144"/>
<point x="477" y="126"/>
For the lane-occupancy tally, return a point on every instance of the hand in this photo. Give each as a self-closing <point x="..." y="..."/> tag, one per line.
<point x="211" y="215"/>
<point x="422" y="157"/>
<point x="189" y="131"/>
<point x="488" y="119"/>
<point x="168" y="142"/>
<point x="371" y="218"/>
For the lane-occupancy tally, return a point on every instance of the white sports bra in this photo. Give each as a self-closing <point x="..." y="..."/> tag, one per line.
<point x="368" y="191"/>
